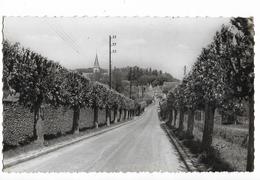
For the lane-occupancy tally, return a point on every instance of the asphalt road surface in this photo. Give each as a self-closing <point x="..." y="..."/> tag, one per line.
<point x="135" y="147"/>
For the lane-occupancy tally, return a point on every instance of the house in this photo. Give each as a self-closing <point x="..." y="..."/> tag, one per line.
<point x="169" y="86"/>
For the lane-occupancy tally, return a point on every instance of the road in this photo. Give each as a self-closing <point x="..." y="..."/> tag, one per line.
<point x="135" y="147"/>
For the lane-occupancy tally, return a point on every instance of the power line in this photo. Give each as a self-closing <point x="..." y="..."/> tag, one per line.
<point x="110" y="63"/>
<point x="63" y="38"/>
<point x="66" y="38"/>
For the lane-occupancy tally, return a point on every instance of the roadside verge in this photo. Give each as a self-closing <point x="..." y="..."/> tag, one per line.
<point x="185" y="157"/>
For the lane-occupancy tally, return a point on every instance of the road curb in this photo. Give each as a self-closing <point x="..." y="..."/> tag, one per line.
<point x="183" y="155"/>
<point x="33" y="154"/>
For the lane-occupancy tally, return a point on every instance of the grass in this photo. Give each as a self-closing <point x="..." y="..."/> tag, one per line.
<point x="236" y="134"/>
<point x="212" y="159"/>
<point x="229" y="147"/>
<point x="232" y="153"/>
<point x="223" y="155"/>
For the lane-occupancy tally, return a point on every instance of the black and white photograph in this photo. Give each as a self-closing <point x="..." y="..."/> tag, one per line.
<point x="128" y="94"/>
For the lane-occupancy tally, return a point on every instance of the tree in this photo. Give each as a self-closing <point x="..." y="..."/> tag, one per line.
<point x="178" y="104"/>
<point x="222" y="77"/>
<point x="33" y="76"/>
<point x="193" y="99"/>
<point x="96" y="98"/>
<point x="241" y="39"/>
<point x="170" y="101"/>
<point x="10" y="56"/>
<point x="208" y="76"/>
<point x="40" y="81"/>
<point x="236" y="54"/>
<point x="77" y="89"/>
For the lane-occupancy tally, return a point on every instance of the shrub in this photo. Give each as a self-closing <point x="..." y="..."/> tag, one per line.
<point x="57" y="120"/>
<point x="86" y="118"/>
<point x="17" y="124"/>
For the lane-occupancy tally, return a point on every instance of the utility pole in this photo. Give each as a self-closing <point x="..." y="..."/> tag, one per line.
<point x="3" y="25"/>
<point x="110" y="82"/>
<point x="185" y="70"/>
<point x="110" y="64"/>
<point x="130" y="79"/>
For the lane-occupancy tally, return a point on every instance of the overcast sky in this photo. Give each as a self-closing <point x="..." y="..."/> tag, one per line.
<point x="166" y="44"/>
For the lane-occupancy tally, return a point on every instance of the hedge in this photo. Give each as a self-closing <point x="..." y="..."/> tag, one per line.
<point x="86" y="118"/>
<point x="57" y="120"/>
<point x="18" y="122"/>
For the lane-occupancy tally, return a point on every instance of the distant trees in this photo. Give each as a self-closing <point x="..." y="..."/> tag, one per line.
<point x="141" y="76"/>
<point x="222" y="77"/>
<point x="117" y="79"/>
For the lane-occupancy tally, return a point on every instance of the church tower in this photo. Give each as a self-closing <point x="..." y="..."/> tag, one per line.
<point x="96" y="68"/>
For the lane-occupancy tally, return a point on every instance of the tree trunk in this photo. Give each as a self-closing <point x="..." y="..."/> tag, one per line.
<point x="95" y="116"/>
<point x="36" y="118"/>
<point x="208" y="127"/>
<point x="190" y="123"/>
<point x="120" y="115"/>
<point x="180" y="128"/>
<point x="250" y="148"/>
<point x="75" y="125"/>
<point x="124" y="114"/>
<point x="175" y="118"/>
<point x="108" y="116"/>
<point x="169" y="122"/>
<point x="37" y="126"/>
<point x="110" y="113"/>
<point x="115" y="116"/>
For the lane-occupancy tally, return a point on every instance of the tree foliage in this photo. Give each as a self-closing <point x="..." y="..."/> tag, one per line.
<point x="41" y="81"/>
<point x="222" y="77"/>
<point x="223" y="73"/>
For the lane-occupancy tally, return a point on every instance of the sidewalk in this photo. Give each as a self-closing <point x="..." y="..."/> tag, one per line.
<point x="7" y="162"/>
<point x="189" y="161"/>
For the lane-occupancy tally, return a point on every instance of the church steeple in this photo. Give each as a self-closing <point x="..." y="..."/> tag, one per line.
<point x="96" y="65"/>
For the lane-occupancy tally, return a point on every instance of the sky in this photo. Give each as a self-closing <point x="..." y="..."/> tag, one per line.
<point x="163" y="43"/>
